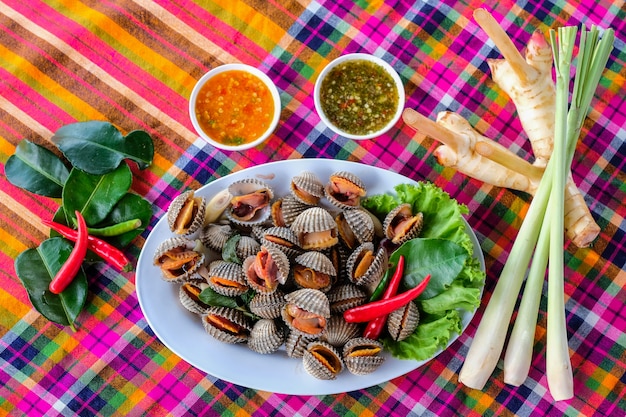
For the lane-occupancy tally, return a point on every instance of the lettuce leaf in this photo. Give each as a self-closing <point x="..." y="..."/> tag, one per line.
<point x="441" y="312"/>
<point x="427" y="339"/>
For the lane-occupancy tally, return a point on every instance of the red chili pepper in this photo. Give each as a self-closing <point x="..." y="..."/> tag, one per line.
<point x="374" y="327"/>
<point x="100" y="247"/>
<point x="70" y="268"/>
<point x="370" y="311"/>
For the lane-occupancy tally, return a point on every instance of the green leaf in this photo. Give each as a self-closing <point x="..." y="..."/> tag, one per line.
<point x="95" y="195"/>
<point x="98" y="147"/>
<point x="37" y="267"/>
<point x="457" y="296"/>
<point x="441" y="258"/>
<point x="131" y="206"/>
<point x="36" y="169"/>
<point x="229" y="252"/>
<point x="212" y="298"/>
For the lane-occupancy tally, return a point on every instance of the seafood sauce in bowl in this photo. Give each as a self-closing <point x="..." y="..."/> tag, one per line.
<point x="234" y="107"/>
<point x="359" y="96"/>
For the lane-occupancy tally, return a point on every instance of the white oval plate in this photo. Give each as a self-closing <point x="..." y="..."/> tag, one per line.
<point x="182" y="331"/>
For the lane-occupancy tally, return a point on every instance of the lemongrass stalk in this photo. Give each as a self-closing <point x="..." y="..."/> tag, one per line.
<point x="592" y="59"/>
<point x="558" y="363"/>
<point x="488" y="341"/>
<point x="519" y="350"/>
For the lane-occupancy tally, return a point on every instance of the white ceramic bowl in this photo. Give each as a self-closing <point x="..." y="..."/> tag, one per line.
<point x="228" y="67"/>
<point x="355" y="57"/>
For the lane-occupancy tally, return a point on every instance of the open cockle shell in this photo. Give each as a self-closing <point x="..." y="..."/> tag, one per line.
<point x="316" y="229"/>
<point x="345" y="190"/>
<point x="355" y="227"/>
<point x="250" y="203"/>
<point x="178" y="258"/>
<point x="315" y="270"/>
<point x="401" y="224"/>
<point x="189" y="296"/>
<point x="185" y="214"/>
<point x="286" y="209"/>
<point x="226" y="278"/>
<point x="307" y="188"/>
<point x="322" y="360"/>
<point x="266" y="336"/>
<point x="306" y="311"/>
<point x="362" y="355"/>
<point x="366" y="264"/>
<point x="282" y="238"/>
<point x="227" y="324"/>
<point x="296" y="343"/>
<point x="402" y="322"/>
<point x="267" y="269"/>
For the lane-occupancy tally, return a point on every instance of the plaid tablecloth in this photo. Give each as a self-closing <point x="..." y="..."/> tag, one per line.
<point x="134" y="63"/>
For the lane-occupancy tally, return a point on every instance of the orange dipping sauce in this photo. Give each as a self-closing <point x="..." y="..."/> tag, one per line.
<point x="234" y="107"/>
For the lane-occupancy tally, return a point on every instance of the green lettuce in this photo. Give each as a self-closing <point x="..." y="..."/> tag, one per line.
<point x="440" y="311"/>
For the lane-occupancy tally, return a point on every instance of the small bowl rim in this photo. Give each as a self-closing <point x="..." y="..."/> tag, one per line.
<point x="355" y="57"/>
<point x="241" y="67"/>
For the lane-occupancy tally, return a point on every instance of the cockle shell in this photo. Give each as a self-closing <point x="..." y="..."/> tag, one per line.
<point x="185" y="214"/>
<point x="402" y="322"/>
<point x="355" y="227"/>
<point x="345" y="190"/>
<point x="339" y="332"/>
<point x="282" y="238"/>
<point x="315" y="270"/>
<point x="285" y="210"/>
<point x="215" y="235"/>
<point x="246" y="246"/>
<point x="268" y="305"/>
<point x="267" y="269"/>
<point x="343" y="297"/>
<point x="178" y="258"/>
<point x="307" y="188"/>
<point x="366" y="264"/>
<point x="189" y="296"/>
<point x="362" y="355"/>
<point x="227" y="324"/>
<point x="250" y="203"/>
<point x="306" y="311"/>
<point x="266" y="336"/>
<point x="226" y="278"/>
<point x="400" y="224"/>
<point x="296" y="343"/>
<point x="322" y="360"/>
<point x="316" y="229"/>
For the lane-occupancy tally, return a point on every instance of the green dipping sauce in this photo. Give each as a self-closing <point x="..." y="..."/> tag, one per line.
<point x="359" y="97"/>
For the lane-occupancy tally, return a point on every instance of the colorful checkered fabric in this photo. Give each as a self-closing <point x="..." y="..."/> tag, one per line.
<point x="134" y="63"/>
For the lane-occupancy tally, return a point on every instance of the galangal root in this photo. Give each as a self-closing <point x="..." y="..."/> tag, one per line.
<point x="528" y="82"/>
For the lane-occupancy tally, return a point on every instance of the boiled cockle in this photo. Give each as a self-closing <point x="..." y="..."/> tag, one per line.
<point x="185" y="214"/>
<point x="250" y="203"/>
<point x="227" y="324"/>
<point x="402" y="322"/>
<point x="189" y="296"/>
<point x="339" y="332"/>
<point x="226" y="278"/>
<point x="345" y="296"/>
<point x="178" y="258"/>
<point x="355" y="227"/>
<point x="266" y="336"/>
<point x="268" y="305"/>
<point x="307" y="188"/>
<point x="316" y="229"/>
<point x="401" y="224"/>
<point x="366" y="264"/>
<point x="282" y="238"/>
<point x="306" y="311"/>
<point x="285" y="210"/>
<point x="322" y="360"/>
<point x="345" y="190"/>
<point x="314" y="270"/>
<point x="267" y="269"/>
<point x="363" y="356"/>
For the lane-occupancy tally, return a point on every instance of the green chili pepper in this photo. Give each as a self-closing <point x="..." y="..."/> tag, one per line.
<point x="115" y="229"/>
